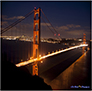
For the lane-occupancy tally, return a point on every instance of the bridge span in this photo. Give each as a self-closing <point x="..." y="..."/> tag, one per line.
<point x="48" y="55"/>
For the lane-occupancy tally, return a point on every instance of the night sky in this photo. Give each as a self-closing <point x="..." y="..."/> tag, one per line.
<point x="70" y="19"/>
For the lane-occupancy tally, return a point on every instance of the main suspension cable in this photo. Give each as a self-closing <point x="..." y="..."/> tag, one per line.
<point x="50" y="23"/>
<point x="47" y="26"/>
<point x="16" y="22"/>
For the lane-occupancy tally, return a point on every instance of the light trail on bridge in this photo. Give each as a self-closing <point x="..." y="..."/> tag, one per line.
<point x="48" y="55"/>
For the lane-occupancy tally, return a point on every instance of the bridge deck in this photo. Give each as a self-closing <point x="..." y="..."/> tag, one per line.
<point x="52" y="54"/>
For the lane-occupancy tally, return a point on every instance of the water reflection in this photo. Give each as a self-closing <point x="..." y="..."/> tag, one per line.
<point x="76" y="74"/>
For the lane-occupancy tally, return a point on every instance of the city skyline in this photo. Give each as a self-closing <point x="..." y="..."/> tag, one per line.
<point x="70" y="19"/>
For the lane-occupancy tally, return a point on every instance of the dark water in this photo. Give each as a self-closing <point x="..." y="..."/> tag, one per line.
<point x="63" y="77"/>
<point x="17" y="50"/>
<point x="60" y="71"/>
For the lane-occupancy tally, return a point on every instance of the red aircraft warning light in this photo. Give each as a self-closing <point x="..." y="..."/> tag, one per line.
<point x="54" y="34"/>
<point x="34" y="7"/>
<point x="58" y="34"/>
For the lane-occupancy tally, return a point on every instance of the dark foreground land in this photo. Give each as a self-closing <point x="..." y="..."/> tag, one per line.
<point x="13" y="78"/>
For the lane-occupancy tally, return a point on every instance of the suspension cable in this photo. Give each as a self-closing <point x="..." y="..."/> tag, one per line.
<point x="16" y="22"/>
<point x="48" y="26"/>
<point x="50" y="23"/>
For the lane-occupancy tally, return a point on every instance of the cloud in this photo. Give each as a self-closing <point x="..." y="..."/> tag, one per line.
<point x="73" y="26"/>
<point x="76" y="32"/>
<point x="4" y="17"/>
<point x="66" y="31"/>
<point x="43" y="24"/>
<point x="77" y="26"/>
<point x="4" y="23"/>
<point x="71" y="34"/>
<point x="72" y="31"/>
<point x="64" y="28"/>
<point x="68" y="27"/>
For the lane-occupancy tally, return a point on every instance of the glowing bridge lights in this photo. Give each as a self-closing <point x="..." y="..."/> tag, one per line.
<point x="39" y="55"/>
<point x="41" y="61"/>
<point x="48" y="55"/>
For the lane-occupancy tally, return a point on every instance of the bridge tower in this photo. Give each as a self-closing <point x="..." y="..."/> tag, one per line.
<point x="36" y="39"/>
<point x="84" y="41"/>
<point x="84" y="38"/>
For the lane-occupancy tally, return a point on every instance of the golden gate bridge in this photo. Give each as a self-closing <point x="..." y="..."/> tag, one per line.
<point x="36" y="40"/>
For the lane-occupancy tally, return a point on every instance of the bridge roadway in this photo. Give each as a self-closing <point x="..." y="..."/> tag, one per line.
<point x="51" y="54"/>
